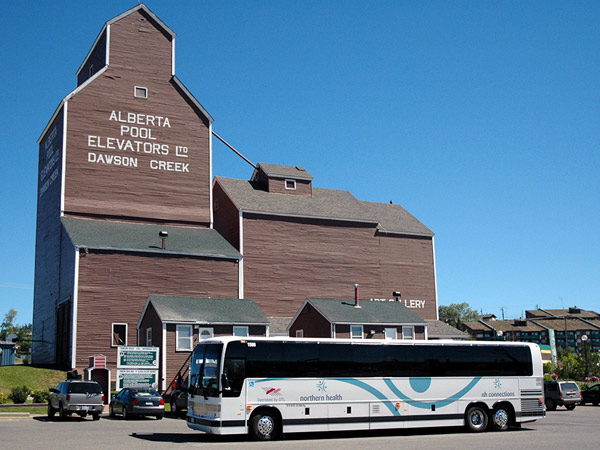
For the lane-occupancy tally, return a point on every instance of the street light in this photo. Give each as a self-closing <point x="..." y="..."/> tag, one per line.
<point x="584" y="339"/>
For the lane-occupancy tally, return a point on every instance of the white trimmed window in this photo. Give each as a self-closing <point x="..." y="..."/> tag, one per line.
<point x="408" y="333"/>
<point x="391" y="333"/>
<point x="148" y="337"/>
<point x="300" y="333"/>
<point x="356" y="331"/>
<point x="119" y="334"/>
<point x="140" y="92"/>
<point x="183" y="336"/>
<point x="290" y="185"/>
<point x="240" y="331"/>
<point x="205" y="333"/>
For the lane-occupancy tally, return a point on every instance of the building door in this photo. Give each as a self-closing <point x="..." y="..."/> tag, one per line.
<point x="63" y="334"/>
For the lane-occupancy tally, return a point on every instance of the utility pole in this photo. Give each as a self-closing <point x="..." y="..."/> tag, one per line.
<point x="502" y="308"/>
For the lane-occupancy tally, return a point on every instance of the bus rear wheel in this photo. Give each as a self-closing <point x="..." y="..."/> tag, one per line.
<point x="263" y="426"/>
<point x="501" y="418"/>
<point x="476" y="419"/>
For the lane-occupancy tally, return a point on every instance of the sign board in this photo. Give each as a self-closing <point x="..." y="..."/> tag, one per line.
<point x="137" y="357"/>
<point x="141" y="378"/>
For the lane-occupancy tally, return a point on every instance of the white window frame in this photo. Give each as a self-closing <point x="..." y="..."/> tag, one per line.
<point x="190" y="339"/>
<point x="142" y="89"/>
<point x="293" y="182"/>
<point x="299" y="333"/>
<point x="393" y="331"/>
<point x="362" y="331"/>
<point x="244" y="330"/>
<point x="112" y="334"/>
<point x="412" y="330"/>
<point x="148" y="337"/>
<point x="201" y="330"/>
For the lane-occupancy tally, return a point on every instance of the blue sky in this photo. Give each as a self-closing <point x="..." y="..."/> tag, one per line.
<point x="480" y="118"/>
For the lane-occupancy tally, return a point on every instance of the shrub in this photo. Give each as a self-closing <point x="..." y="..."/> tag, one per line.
<point x="3" y="398"/>
<point x="40" y="396"/>
<point x="20" y="394"/>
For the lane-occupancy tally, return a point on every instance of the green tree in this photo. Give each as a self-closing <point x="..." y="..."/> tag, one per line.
<point x="8" y="325"/>
<point x="456" y="314"/>
<point x="23" y="332"/>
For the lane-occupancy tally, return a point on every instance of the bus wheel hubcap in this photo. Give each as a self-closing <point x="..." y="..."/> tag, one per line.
<point x="265" y="425"/>
<point x="476" y="418"/>
<point x="501" y="418"/>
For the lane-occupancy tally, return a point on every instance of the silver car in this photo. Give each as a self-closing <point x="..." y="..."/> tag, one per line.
<point x="79" y="397"/>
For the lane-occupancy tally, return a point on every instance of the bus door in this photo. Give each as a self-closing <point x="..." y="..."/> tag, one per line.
<point x="204" y="399"/>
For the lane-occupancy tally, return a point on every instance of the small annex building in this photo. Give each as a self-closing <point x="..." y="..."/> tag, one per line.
<point x="176" y="324"/>
<point x="349" y="319"/>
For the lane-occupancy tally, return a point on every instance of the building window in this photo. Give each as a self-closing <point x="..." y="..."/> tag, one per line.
<point x="119" y="334"/>
<point x="391" y="333"/>
<point x="91" y="70"/>
<point x="184" y="335"/>
<point x="300" y="333"/>
<point x="356" y="331"/>
<point x="408" y="333"/>
<point x="205" y="333"/>
<point x="148" y="337"/>
<point x="290" y="184"/>
<point x="140" y="92"/>
<point x="240" y="331"/>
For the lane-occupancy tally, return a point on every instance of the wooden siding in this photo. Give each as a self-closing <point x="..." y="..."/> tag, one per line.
<point x="277" y="186"/>
<point x="287" y="260"/>
<point x="114" y="287"/>
<point x="312" y="323"/>
<point x="95" y="62"/>
<point x="227" y="217"/>
<point x="46" y="294"/>
<point x="161" y="172"/>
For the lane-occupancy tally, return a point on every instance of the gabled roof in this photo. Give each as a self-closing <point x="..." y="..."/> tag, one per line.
<point x="278" y="171"/>
<point x="330" y="204"/>
<point x="568" y="324"/>
<point x="203" y="310"/>
<point x="141" y="6"/>
<point x="344" y="312"/>
<point x="478" y="325"/>
<point x="436" y="329"/>
<point x="136" y="237"/>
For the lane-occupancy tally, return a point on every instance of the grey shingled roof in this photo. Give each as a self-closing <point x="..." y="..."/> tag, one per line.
<point x="439" y="330"/>
<point x="127" y="236"/>
<point x="203" y="310"/>
<point x="343" y="311"/>
<point x="279" y="325"/>
<point x="324" y="203"/>
<point x="278" y="171"/>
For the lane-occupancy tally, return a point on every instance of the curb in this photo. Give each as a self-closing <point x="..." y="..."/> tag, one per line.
<point x="14" y="414"/>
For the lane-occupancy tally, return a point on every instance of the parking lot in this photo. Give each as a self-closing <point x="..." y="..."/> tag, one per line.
<point x="561" y="429"/>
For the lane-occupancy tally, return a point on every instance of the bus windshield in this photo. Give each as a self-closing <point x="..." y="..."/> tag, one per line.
<point x="204" y="379"/>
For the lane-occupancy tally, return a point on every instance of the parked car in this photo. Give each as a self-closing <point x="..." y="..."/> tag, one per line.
<point x="137" y="402"/>
<point x="561" y="393"/>
<point x="79" y="397"/>
<point x="178" y="400"/>
<point x="591" y="395"/>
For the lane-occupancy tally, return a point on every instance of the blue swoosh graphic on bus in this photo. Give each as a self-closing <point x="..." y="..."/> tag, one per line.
<point x="438" y="404"/>
<point x="361" y="384"/>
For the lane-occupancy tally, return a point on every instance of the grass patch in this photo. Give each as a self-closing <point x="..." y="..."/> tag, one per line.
<point x="30" y="410"/>
<point x="33" y="377"/>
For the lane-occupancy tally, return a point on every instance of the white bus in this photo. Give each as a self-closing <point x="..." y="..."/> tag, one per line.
<point x="270" y="386"/>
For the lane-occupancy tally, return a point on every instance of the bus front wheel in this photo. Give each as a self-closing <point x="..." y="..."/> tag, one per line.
<point x="264" y="426"/>
<point x="476" y="418"/>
